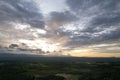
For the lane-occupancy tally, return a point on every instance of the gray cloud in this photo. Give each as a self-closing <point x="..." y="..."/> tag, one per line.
<point x="21" y="11"/>
<point x="108" y="48"/>
<point x="63" y="17"/>
<point x="60" y="18"/>
<point x="57" y="19"/>
<point x="84" y="23"/>
<point x="101" y="22"/>
<point x="89" y="38"/>
<point x="83" y="5"/>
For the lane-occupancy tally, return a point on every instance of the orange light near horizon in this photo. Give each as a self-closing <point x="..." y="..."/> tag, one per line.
<point x="89" y="52"/>
<point x="95" y="54"/>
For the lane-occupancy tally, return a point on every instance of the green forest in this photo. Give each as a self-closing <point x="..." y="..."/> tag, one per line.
<point x="56" y="70"/>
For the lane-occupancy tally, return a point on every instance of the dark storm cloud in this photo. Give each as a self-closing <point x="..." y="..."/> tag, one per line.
<point x="102" y="23"/>
<point x="13" y="46"/>
<point x="23" y="11"/>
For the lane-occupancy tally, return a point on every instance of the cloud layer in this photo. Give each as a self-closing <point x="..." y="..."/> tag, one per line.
<point x="21" y="11"/>
<point x="84" y="23"/>
<point x="99" y="21"/>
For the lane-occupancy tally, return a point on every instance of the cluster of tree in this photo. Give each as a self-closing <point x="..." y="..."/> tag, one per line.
<point x="51" y="77"/>
<point x="46" y="70"/>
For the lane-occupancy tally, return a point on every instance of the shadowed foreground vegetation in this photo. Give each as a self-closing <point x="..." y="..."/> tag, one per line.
<point x="56" y="70"/>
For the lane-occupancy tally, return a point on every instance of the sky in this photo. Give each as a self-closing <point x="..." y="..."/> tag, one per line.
<point x="81" y="28"/>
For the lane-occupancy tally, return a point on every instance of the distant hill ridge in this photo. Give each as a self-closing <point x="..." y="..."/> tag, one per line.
<point x="26" y="57"/>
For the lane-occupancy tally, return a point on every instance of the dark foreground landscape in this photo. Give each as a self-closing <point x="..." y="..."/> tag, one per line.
<point x="59" y="68"/>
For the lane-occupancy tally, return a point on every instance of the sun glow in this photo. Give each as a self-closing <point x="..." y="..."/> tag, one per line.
<point x="41" y="44"/>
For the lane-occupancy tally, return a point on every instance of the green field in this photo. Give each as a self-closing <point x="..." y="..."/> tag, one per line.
<point x="56" y="70"/>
